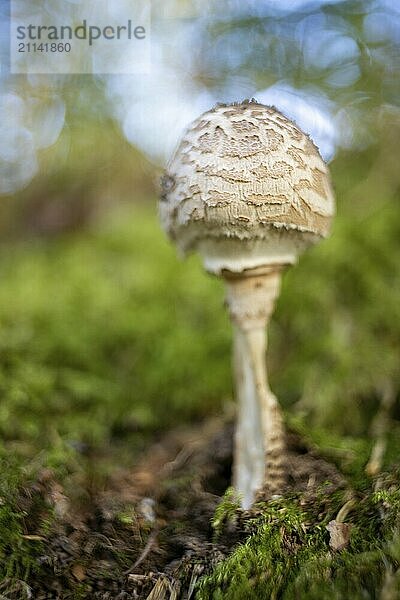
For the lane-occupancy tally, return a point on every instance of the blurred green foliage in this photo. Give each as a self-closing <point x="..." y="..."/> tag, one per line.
<point x="105" y="332"/>
<point x="336" y="334"/>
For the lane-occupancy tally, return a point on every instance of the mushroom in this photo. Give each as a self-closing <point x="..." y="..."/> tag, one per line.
<point x="249" y="191"/>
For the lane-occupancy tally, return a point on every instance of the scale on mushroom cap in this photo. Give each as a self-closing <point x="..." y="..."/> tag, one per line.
<point x="249" y="191"/>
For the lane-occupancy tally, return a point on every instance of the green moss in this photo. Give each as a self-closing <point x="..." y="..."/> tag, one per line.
<point x="18" y="549"/>
<point x="226" y="511"/>
<point x="287" y="553"/>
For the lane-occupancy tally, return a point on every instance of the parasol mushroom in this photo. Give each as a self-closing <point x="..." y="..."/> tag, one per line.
<point x="249" y="191"/>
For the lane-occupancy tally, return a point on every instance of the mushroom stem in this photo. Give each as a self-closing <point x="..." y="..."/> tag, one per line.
<point x="259" y="443"/>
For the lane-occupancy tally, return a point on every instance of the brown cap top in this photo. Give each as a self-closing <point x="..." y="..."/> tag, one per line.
<point x="241" y="171"/>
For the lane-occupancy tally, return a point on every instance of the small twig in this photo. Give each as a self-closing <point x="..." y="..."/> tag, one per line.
<point x="196" y="572"/>
<point x="146" y="551"/>
<point x="375" y="461"/>
<point x="380" y="426"/>
<point x="183" y="455"/>
<point x="344" y="511"/>
<point x="108" y="543"/>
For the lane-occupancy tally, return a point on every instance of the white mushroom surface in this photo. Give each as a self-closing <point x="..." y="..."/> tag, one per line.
<point x="249" y="191"/>
<point x="246" y="172"/>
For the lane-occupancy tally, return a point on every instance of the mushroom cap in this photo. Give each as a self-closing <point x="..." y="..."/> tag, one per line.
<point x="245" y="188"/>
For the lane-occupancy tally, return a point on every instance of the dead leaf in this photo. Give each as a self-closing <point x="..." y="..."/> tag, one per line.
<point x="79" y="572"/>
<point x="59" y="501"/>
<point x="160" y="590"/>
<point x="165" y="589"/>
<point x="339" y="534"/>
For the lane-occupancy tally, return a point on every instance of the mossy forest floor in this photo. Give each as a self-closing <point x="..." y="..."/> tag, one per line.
<point x="165" y="529"/>
<point x="116" y="422"/>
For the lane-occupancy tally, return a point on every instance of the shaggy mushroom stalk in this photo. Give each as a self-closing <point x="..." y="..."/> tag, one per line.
<point x="259" y="443"/>
<point x="249" y="191"/>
